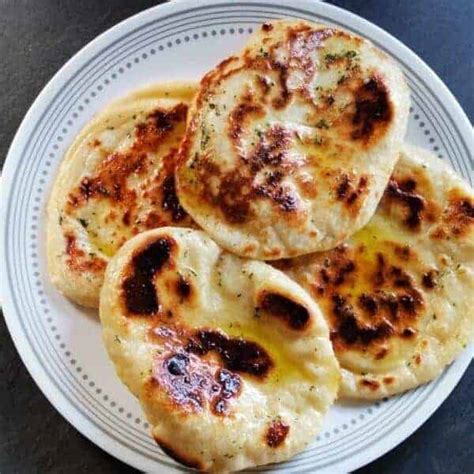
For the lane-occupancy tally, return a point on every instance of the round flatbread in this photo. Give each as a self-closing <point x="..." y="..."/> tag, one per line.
<point x="399" y="294"/>
<point x="230" y="359"/>
<point x="291" y="142"/>
<point x="116" y="180"/>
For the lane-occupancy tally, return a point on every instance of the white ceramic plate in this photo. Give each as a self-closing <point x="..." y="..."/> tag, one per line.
<point x="60" y="343"/>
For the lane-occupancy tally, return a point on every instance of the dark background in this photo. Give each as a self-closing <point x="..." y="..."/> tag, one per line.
<point x="36" y="38"/>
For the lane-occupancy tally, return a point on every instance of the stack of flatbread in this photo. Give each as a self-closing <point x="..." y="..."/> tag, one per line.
<point x="264" y="242"/>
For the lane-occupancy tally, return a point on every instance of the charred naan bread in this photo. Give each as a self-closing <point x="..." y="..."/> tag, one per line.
<point x="117" y="179"/>
<point x="399" y="295"/>
<point x="291" y="142"/>
<point x="230" y="359"/>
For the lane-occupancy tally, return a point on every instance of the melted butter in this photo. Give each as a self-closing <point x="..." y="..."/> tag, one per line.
<point x="104" y="237"/>
<point x="377" y="237"/>
<point x="285" y="367"/>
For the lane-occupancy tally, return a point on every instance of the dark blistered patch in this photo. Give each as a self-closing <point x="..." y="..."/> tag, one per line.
<point x="392" y="302"/>
<point x="170" y="201"/>
<point x="458" y="217"/>
<point x="236" y="354"/>
<point x="166" y="120"/>
<point x="350" y="331"/>
<point x="183" y="288"/>
<point x="428" y="279"/>
<point x="192" y="383"/>
<point x="388" y="380"/>
<point x="370" y="384"/>
<point x="368" y="303"/>
<point x="183" y="459"/>
<point x="276" y="433"/>
<point x="293" y="314"/>
<point x="110" y="177"/>
<point x="267" y="27"/>
<point x="349" y="192"/>
<point x="238" y="188"/>
<point x="239" y="116"/>
<point x="408" y="333"/>
<point x="414" y="202"/>
<point x="372" y="109"/>
<point x="138" y="288"/>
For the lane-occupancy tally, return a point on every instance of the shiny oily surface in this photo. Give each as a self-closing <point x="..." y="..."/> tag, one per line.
<point x="229" y="358"/>
<point x="116" y="180"/>
<point x="398" y="295"/>
<point x="291" y="141"/>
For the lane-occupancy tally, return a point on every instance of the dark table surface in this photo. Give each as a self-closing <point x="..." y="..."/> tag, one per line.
<point x="36" y="38"/>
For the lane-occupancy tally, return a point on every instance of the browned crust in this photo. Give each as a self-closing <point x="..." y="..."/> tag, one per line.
<point x="295" y="315"/>
<point x="276" y="433"/>
<point x="234" y="190"/>
<point x="201" y="369"/>
<point x="366" y="321"/>
<point x="138" y="289"/>
<point x="179" y="456"/>
<point x="78" y="261"/>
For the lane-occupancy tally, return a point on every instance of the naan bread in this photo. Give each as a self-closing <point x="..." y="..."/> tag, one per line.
<point x="117" y="179"/>
<point x="291" y="142"/>
<point x="399" y="294"/>
<point x="230" y="359"/>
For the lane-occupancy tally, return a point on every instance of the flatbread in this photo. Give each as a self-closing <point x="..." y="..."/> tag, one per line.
<point x="399" y="294"/>
<point x="291" y="141"/>
<point x="116" y="180"/>
<point x="230" y="359"/>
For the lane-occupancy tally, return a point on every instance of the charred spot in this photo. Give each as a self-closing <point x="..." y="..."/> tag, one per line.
<point x="276" y="433"/>
<point x="370" y="384"/>
<point x="192" y="383"/>
<point x="368" y="303"/>
<point x="176" y="365"/>
<point x="402" y="252"/>
<point x="111" y="175"/>
<point x="372" y="109"/>
<point x="237" y="354"/>
<point x="238" y="117"/>
<point x="348" y="328"/>
<point x="294" y="314"/>
<point x="138" y="288"/>
<point x="408" y="303"/>
<point x="428" y="280"/>
<point x="234" y="204"/>
<point x="267" y="27"/>
<point x="126" y="217"/>
<point x="170" y="202"/>
<point x="349" y="267"/>
<point x="400" y="278"/>
<point x="183" y="288"/>
<point x="458" y="217"/>
<point x="381" y="353"/>
<point x="165" y="121"/>
<point x="414" y="202"/>
<point x="183" y="459"/>
<point x="408" y="333"/>
<point x="271" y="150"/>
<point x="348" y="192"/>
<point x="96" y="143"/>
<point x="343" y="187"/>
<point x="110" y="180"/>
<point x="388" y="380"/>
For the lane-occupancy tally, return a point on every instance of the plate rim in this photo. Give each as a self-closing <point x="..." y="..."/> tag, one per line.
<point x="32" y="363"/>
